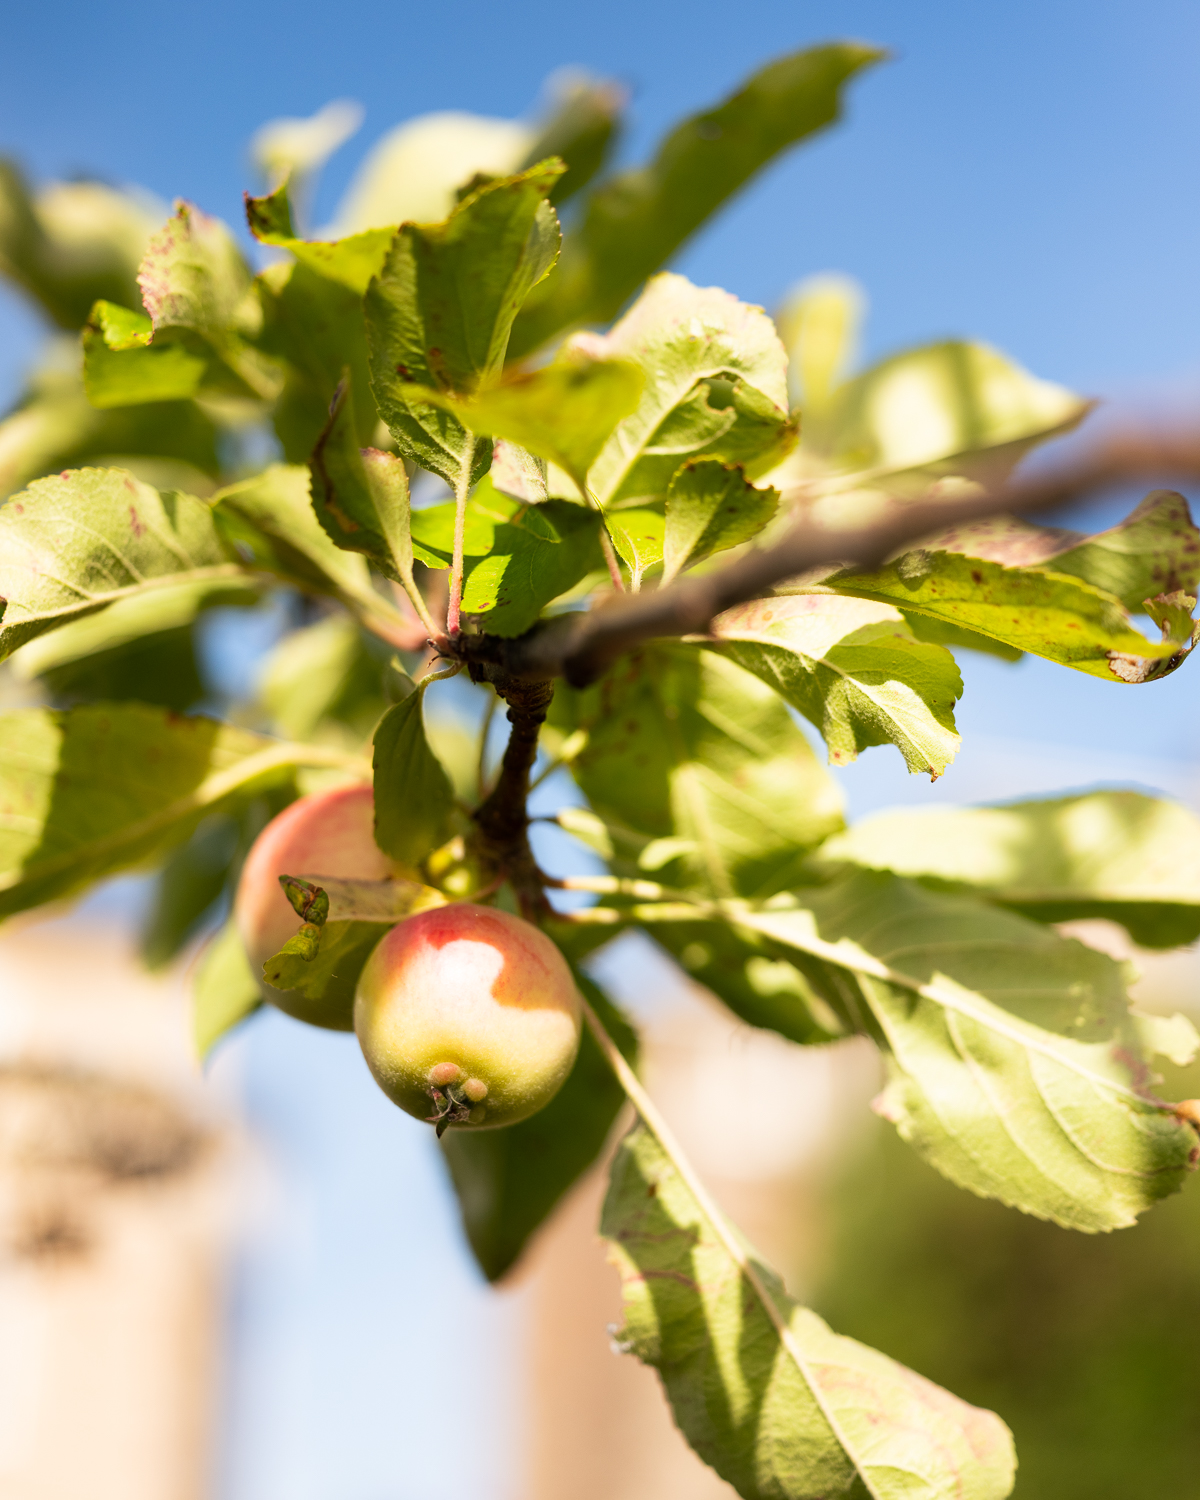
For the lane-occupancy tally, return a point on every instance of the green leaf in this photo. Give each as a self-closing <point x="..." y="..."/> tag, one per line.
<point x="1131" y="858"/>
<point x="716" y="385"/>
<point x="193" y="274"/>
<point x="854" y="670"/>
<point x="225" y="991"/>
<point x="710" y="506"/>
<point x="948" y="408"/>
<point x="518" y="557"/>
<point x="71" y="244"/>
<point x="323" y="672"/>
<point x="315" y="974"/>
<point x="634" y="223"/>
<point x="564" y="411"/>
<point x="956" y="638"/>
<point x="122" y="368"/>
<point x="440" y="311"/>
<point x="1045" y="613"/>
<point x="163" y="668"/>
<point x="819" y="323"/>
<point x="351" y="261"/>
<point x="99" y="789"/>
<point x="74" y="543"/>
<point x="189" y="884"/>
<point x="580" y="131"/>
<point x="687" y="748"/>
<point x="510" y="1181"/>
<point x="314" y="324"/>
<point x="517" y="472"/>
<point x="193" y="278"/>
<point x="1013" y="1065"/>
<point x="757" y="979"/>
<point x="319" y="989"/>
<point x="638" y="535"/>
<point x="269" y="522"/>
<point x="86" y="644"/>
<point x="360" y="495"/>
<point x="414" y="800"/>
<point x="1155" y="550"/>
<point x="764" y="1391"/>
<point x="171" y="444"/>
<point x="321" y="898"/>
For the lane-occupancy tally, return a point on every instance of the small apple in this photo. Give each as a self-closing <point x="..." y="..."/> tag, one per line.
<point x="327" y="833"/>
<point x="467" y="1017"/>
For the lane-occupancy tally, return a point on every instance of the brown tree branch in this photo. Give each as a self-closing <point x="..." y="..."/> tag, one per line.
<point x="580" y="647"/>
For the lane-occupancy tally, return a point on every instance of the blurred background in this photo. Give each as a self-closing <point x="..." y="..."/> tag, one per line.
<point x="1025" y="175"/>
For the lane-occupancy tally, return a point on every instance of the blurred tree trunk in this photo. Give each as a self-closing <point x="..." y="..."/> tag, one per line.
<point x="113" y="1214"/>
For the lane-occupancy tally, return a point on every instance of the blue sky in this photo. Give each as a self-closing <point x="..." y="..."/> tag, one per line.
<point x="1024" y="173"/>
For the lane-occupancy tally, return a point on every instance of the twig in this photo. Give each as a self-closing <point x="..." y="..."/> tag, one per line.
<point x="489" y="714"/>
<point x="580" y="647"/>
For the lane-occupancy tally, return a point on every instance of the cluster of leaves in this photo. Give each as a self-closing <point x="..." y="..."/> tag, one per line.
<point x="620" y="459"/>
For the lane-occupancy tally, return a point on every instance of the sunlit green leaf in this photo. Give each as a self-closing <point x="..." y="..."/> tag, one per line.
<point x="414" y="799"/>
<point x="1155" y="550"/>
<point x="757" y="979"/>
<point x="269" y="522"/>
<point x="351" y="261"/>
<point x="819" y="323"/>
<point x="633" y="223"/>
<point x="99" y="789"/>
<point x="764" y="1391"/>
<point x="510" y="1181"/>
<point x="948" y="408"/>
<point x="440" y="310"/>
<point x="74" y="543"/>
<point x="1013" y="1065"/>
<point x="360" y="496"/>
<point x="518" y="558"/>
<point x="122" y="368"/>
<point x="580" y="130"/>
<point x="193" y="274"/>
<point x="716" y="385"/>
<point x="194" y="278"/>
<point x="637" y="534"/>
<point x="684" y="746"/>
<point x="225" y="990"/>
<point x="171" y="444"/>
<point x="853" y="669"/>
<point x="563" y="412"/>
<point x="1126" y="856"/>
<point x="710" y="507"/>
<point x="128" y="621"/>
<point x="517" y="472"/>
<point x="315" y="325"/>
<point x="1032" y="609"/>
<point x="71" y="244"/>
